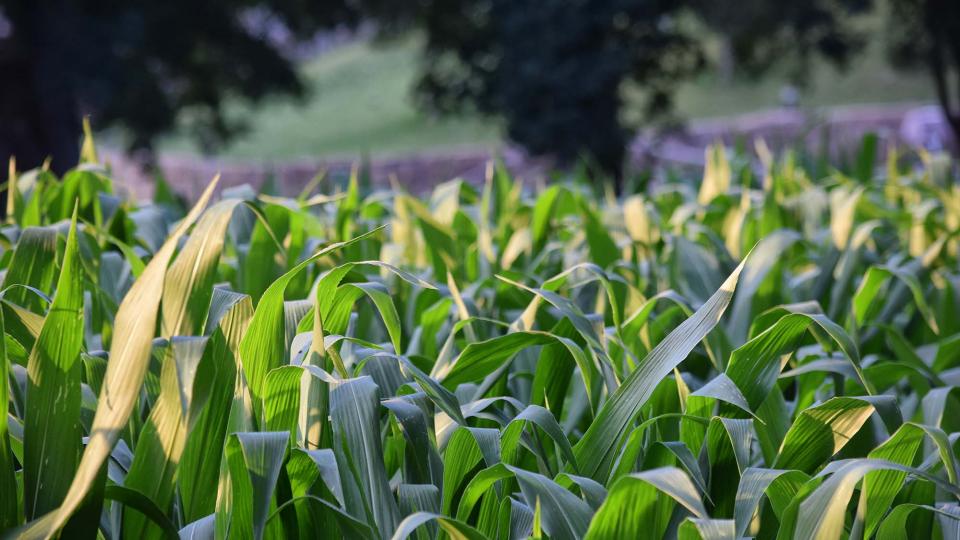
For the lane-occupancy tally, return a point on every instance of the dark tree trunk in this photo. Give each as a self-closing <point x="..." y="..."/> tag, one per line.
<point x="953" y="115"/>
<point x="950" y="113"/>
<point x="38" y="109"/>
<point x="940" y="68"/>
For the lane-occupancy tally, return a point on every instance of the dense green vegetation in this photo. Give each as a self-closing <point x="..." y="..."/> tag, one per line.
<point x="754" y="352"/>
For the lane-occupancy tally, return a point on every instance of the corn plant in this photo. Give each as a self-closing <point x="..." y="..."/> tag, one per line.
<point x="754" y="352"/>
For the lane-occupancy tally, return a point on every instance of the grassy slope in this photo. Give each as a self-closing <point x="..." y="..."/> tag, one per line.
<point x="360" y="102"/>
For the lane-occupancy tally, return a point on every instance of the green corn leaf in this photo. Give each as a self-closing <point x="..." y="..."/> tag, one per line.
<point x="595" y="452"/>
<point x="873" y="281"/>
<point x="161" y="442"/>
<point x="130" y="355"/>
<point x="540" y="417"/>
<point x="263" y="346"/>
<point x="881" y="487"/>
<point x="9" y="511"/>
<point x="265" y="258"/>
<point x="778" y="485"/>
<point x="821" y="514"/>
<point x="480" y="485"/>
<point x="52" y="423"/>
<point x="482" y="358"/>
<point x="134" y="501"/>
<point x="764" y="258"/>
<point x="820" y="432"/>
<point x="706" y="529"/>
<point x="253" y="462"/>
<point x="466" y="449"/>
<point x="198" y="469"/>
<point x="34" y="265"/>
<point x="188" y="285"/>
<point x="426" y="465"/>
<point x="894" y="526"/>
<point x="454" y="529"/>
<point x="354" y="417"/>
<point x="636" y="506"/>
<point x="755" y="366"/>
<point x="347" y="525"/>
<point x="564" y="515"/>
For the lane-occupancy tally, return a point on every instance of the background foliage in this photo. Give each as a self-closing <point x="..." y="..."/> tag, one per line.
<point x="554" y="74"/>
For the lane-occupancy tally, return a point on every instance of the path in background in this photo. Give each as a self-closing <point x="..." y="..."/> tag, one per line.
<point x="839" y="128"/>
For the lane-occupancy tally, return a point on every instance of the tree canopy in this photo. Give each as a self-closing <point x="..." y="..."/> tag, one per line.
<point x="138" y="63"/>
<point x="553" y="71"/>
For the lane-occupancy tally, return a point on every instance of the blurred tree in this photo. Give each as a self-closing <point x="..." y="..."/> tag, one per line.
<point x="137" y="63"/>
<point x="927" y="33"/>
<point x="554" y="70"/>
<point x="755" y="35"/>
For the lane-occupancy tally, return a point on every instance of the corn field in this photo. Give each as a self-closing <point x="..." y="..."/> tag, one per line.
<point x="755" y="352"/>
